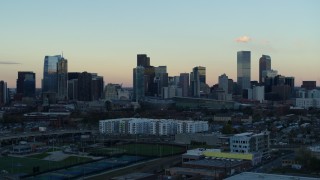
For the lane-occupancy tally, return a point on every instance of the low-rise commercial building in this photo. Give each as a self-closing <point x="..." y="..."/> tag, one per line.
<point x="250" y="142"/>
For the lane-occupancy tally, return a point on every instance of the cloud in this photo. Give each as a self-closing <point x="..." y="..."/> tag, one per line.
<point x="7" y="62"/>
<point x="243" y="39"/>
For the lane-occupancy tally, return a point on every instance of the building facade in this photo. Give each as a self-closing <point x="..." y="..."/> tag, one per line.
<point x="50" y="78"/>
<point x="264" y="65"/>
<point x="198" y="80"/>
<point x="243" y="69"/>
<point x="151" y="126"/>
<point x="184" y="84"/>
<point x="223" y="83"/>
<point x="3" y="93"/>
<point x="26" y="84"/>
<point x="138" y="83"/>
<point x="250" y="143"/>
<point x="62" y="79"/>
<point x="85" y="87"/>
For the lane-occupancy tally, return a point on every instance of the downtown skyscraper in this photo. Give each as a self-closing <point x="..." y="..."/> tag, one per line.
<point x="264" y="65"/>
<point x="26" y="84"/>
<point x="197" y="80"/>
<point x="55" y="76"/>
<point x="62" y="79"/>
<point x="138" y="83"/>
<point x="50" y="77"/>
<point x="243" y="70"/>
<point x="3" y="93"/>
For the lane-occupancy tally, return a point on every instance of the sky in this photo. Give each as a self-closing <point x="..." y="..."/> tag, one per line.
<point x="105" y="36"/>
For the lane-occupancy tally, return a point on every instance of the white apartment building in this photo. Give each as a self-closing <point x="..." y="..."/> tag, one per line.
<point x="249" y="142"/>
<point x="151" y="126"/>
<point x="307" y="99"/>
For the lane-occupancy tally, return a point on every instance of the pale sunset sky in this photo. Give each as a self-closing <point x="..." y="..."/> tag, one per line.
<point x="105" y="36"/>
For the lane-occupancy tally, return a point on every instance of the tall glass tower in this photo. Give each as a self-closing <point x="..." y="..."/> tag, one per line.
<point x="264" y="65"/>
<point x="138" y="83"/>
<point x="243" y="69"/>
<point x="50" y="77"/>
<point x="62" y="81"/>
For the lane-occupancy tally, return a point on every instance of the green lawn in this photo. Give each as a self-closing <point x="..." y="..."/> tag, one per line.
<point x="26" y="164"/>
<point x="158" y="150"/>
<point x="39" y="156"/>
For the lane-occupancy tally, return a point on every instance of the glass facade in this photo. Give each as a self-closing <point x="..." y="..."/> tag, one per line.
<point x="264" y="65"/>
<point x="243" y="69"/>
<point x="138" y="83"/>
<point x="62" y="81"/>
<point x="50" y="79"/>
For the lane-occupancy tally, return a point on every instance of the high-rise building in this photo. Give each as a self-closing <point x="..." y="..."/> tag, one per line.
<point x="268" y="74"/>
<point x="143" y="60"/>
<point x="73" y="85"/>
<point x="161" y="79"/>
<point x="62" y="79"/>
<point x="26" y="84"/>
<point x="309" y="85"/>
<point x="85" y="86"/>
<point x="264" y="65"/>
<point x="198" y="80"/>
<point x="73" y="89"/>
<point x="3" y="93"/>
<point x="184" y="84"/>
<point x="97" y="87"/>
<point x="224" y="83"/>
<point x="73" y="75"/>
<point x="50" y="78"/>
<point x="138" y="83"/>
<point x="243" y="69"/>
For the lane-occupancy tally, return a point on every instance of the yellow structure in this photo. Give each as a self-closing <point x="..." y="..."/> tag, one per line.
<point x="229" y="155"/>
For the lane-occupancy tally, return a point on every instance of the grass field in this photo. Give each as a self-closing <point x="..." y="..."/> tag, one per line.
<point x="26" y="164"/>
<point x="39" y="156"/>
<point x="157" y="150"/>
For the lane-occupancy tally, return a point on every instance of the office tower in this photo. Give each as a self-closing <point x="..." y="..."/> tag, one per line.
<point x="161" y="79"/>
<point x="198" y="80"/>
<point x="184" y="84"/>
<point x="138" y="83"/>
<point x="97" y="87"/>
<point x="50" y="78"/>
<point x="3" y="93"/>
<point x="264" y="65"/>
<point x="243" y="69"/>
<point x="230" y="86"/>
<point x="85" y="87"/>
<point x="267" y="74"/>
<point x="111" y="91"/>
<point x="26" y="84"/>
<point x="73" y="85"/>
<point x="62" y="75"/>
<point x="150" y="87"/>
<point x="73" y="75"/>
<point x="143" y="60"/>
<point x="149" y="84"/>
<point x="73" y="89"/>
<point x="309" y="85"/>
<point x="224" y="83"/>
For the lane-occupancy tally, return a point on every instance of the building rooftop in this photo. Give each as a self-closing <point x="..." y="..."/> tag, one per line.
<point x="133" y="176"/>
<point x="218" y="163"/>
<point x="262" y="176"/>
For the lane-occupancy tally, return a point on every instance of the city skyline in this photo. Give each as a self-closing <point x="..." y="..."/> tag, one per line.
<point x="104" y="37"/>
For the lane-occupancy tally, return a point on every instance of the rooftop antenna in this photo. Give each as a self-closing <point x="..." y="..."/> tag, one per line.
<point x="62" y="54"/>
